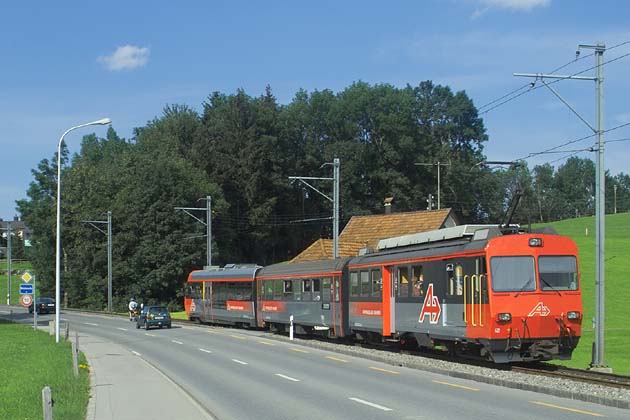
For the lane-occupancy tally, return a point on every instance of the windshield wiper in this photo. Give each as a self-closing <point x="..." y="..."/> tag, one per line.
<point x="550" y="286"/>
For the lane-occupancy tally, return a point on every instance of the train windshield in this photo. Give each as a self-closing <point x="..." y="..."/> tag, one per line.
<point x="558" y="273"/>
<point x="513" y="274"/>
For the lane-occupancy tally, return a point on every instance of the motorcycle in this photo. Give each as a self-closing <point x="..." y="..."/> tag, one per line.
<point x="133" y="315"/>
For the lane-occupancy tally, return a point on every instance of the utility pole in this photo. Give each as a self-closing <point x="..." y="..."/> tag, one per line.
<point x="109" y="261"/>
<point x="335" y="199"/>
<point x="615" y="191"/>
<point x="207" y="224"/>
<point x="107" y="222"/>
<point x="438" y="164"/>
<point x="9" y="234"/>
<point x="597" y="362"/>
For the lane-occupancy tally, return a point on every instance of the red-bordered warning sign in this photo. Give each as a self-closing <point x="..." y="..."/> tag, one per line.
<point x="26" y="300"/>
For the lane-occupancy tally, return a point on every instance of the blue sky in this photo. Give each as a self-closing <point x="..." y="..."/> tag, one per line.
<point x="70" y="62"/>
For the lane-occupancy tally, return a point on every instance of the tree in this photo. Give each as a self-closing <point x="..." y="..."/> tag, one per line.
<point x="575" y="184"/>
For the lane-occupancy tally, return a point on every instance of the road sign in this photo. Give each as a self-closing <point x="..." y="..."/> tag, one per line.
<point x="26" y="300"/>
<point x="26" y="277"/>
<point x="26" y="289"/>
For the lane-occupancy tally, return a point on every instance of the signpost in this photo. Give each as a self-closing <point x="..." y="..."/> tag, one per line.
<point x="27" y="290"/>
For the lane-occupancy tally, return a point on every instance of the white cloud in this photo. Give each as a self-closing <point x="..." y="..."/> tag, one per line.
<point x="126" y="57"/>
<point x="516" y="4"/>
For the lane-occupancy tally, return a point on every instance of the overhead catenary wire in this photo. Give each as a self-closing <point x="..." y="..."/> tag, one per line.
<point x="532" y="87"/>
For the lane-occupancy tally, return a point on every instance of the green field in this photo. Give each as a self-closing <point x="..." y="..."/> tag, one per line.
<point x="32" y="360"/>
<point x="617" y="329"/>
<point x="15" y="280"/>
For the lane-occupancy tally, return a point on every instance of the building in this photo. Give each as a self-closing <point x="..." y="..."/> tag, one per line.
<point x="18" y="229"/>
<point x="365" y="231"/>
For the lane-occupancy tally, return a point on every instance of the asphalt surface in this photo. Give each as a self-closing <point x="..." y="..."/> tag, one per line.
<point x="241" y="374"/>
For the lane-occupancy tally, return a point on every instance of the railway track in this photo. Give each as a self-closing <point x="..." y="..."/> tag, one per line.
<point x="580" y="375"/>
<point x="538" y="369"/>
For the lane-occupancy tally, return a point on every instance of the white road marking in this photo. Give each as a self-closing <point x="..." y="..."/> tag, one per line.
<point x="239" y="361"/>
<point x="205" y="351"/>
<point x="136" y="353"/>
<point x="122" y="329"/>
<point x="91" y="323"/>
<point x="287" y="377"/>
<point x="177" y="342"/>
<point x="360" y="401"/>
<point x="150" y="335"/>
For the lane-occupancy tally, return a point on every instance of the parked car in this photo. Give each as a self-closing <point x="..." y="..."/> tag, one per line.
<point x="44" y="305"/>
<point x="154" y="316"/>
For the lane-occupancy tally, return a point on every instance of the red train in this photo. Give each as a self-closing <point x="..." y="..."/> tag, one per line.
<point x="470" y="289"/>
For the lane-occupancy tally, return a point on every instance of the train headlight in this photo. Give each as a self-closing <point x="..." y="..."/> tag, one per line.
<point x="573" y="315"/>
<point x="504" y="317"/>
<point x="535" y="241"/>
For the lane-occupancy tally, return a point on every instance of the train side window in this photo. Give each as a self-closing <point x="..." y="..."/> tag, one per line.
<point x="287" y="290"/>
<point x="417" y="279"/>
<point x="316" y="289"/>
<point x="354" y="284"/>
<point x="277" y="289"/>
<point x="365" y="283"/>
<point x="459" y="280"/>
<point x="336" y="281"/>
<point x="268" y="285"/>
<point x="326" y="289"/>
<point x="306" y="289"/>
<point x="297" y="289"/>
<point x="377" y="284"/>
<point x="403" y="281"/>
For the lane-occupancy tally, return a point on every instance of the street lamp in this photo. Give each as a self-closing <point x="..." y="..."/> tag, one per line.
<point x="103" y="121"/>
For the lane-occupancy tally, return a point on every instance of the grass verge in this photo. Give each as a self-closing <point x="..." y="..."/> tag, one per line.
<point x="31" y="361"/>
<point x="179" y="315"/>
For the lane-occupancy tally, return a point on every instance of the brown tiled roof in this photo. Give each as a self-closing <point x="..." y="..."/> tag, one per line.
<point x="368" y="230"/>
<point x="323" y="248"/>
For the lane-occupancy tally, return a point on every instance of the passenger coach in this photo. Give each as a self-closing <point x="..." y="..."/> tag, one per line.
<point x="222" y="295"/>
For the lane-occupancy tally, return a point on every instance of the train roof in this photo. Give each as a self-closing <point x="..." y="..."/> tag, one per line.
<point x="471" y="232"/>
<point x="430" y="244"/>
<point x="230" y="271"/>
<point x="304" y="268"/>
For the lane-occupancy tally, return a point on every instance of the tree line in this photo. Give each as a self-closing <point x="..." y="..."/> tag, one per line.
<point x="241" y="150"/>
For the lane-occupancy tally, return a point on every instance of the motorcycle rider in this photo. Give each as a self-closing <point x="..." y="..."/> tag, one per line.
<point x="133" y="308"/>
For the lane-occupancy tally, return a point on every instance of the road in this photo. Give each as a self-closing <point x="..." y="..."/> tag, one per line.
<point x="242" y="374"/>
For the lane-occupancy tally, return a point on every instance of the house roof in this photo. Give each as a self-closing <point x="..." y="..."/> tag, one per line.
<point x="362" y="231"/>
<point x="323" y="248"/>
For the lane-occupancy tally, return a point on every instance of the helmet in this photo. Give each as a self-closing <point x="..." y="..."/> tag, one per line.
<point x="133" y="299"/>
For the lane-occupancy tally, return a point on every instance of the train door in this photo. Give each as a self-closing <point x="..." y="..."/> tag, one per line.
<point x="453" y="301"/>
<point x="208" y="312"/>
<point x="476" y="295"/>
<point x="389" y="300"/>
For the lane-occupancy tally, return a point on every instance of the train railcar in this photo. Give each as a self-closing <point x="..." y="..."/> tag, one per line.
<point x="473" y="290"/>
<point x="222" y="295"/>
<point x="310" y="295"/>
